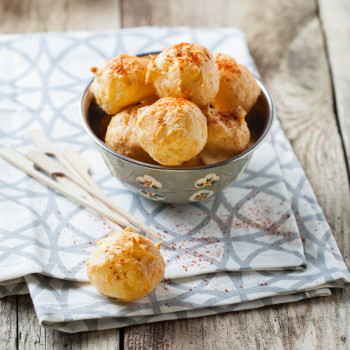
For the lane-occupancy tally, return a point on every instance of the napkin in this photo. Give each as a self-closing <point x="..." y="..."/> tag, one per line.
<point x="45" y="239"/>
<point x="249" y="226"/>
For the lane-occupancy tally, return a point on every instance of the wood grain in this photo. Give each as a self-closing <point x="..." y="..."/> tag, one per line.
<point x="335" y="18"/>
<point x="34" y="337"/>
<point x="24" y="16"/>
<point x="301" y="85"/>
<point x="196" y="13"/>
<point x="275" y="327"/>
<point x="8" y="323"/>
<point x="287" y="42"/>
<point x="30" y="334"/>
<point x="298" y="77"/>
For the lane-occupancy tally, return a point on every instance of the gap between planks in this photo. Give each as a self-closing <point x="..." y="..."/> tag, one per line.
<point x="336" y="37"/>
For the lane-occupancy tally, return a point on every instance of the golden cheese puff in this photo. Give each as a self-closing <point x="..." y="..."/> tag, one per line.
<point x="172" y="130"/>
<point x="228" y="135"/>
<point x="125" y="265"/>
<point x="238" y="86"/>
<point x="122" y="138"/>
<point x="121" y="83"/>
<point x="185" y="71"/>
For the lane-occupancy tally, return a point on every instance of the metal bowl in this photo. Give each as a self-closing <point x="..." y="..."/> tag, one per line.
<point x="174" y="185"/>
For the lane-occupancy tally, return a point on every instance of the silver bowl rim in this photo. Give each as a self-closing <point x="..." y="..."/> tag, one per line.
<point x="244" y="154"/>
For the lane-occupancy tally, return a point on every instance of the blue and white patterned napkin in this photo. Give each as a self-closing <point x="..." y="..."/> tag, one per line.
<point x="267" y="221"/>
<point x="250" y="226"/>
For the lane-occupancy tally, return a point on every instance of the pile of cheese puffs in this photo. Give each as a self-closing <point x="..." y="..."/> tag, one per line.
<point x="183" y="107"/>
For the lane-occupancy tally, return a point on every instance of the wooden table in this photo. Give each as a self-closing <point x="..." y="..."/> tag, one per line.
<point x="302" y="49"/>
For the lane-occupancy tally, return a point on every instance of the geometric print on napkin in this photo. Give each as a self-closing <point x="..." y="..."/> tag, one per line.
<point x="73" y="306"/>
<point x="65" y="309"/>
<point x="248" y="226"/>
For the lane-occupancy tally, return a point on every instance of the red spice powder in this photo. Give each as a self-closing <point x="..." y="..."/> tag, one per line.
<point x="184" y="53"/>
<point x="225" y="64"/>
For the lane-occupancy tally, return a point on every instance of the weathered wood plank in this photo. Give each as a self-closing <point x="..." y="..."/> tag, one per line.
<point x="21" y="16"/>
<point x="33" y="337"/>
<point x="24" y="16"/>
<point x="299" y="79"/>
<point x="281" y="37"/>
<point x="286" y="41"/>
<point x="8" y="323"/>
<point x="203" y="13"/>
<point x="286" y="326"/>
<point x="301" y="85"/>
<point x="108" y="340"/>
<point x="335" y="19"/>
<point x="98" y="340"/>
<point x="30" y="334"/>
